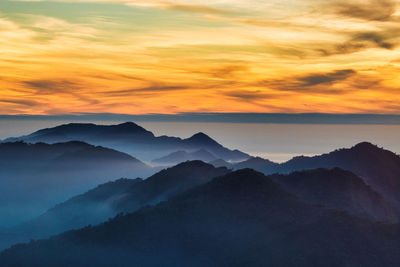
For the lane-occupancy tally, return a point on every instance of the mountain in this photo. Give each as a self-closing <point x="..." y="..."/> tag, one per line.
<point x="222" y="163"/>
<point x="81" y="131"/>
<point x="379" y="168"/>
<point x="338" y="189"/>
<point x="34" y="177"/>
<point x="109" y="199"/>
<point x="182" y="156"/>
<point x="256" y="163"/>
<point x="241" y="219"/>
<point x="132" y="139"/>
<point x="167" y="183"/>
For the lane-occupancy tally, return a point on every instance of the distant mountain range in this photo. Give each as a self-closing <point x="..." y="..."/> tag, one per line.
<point x="240" y="219"/>
<point x="34" y="177"/>
<point x="132" y="139"/>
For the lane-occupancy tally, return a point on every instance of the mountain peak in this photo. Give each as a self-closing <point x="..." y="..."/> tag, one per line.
<point x="202" y="138"/>
<point x="365" y="145"/>
<point x="200" y="135"/>
<point x="129" y="124"/>
<point x="192" y="164"/>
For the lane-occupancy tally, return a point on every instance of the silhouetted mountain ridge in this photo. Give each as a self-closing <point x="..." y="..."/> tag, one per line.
<point x="131" y="138"/>
<point x="240" y="219"/>
<point x="75" y="131"/>
<point x="379" y="168"/>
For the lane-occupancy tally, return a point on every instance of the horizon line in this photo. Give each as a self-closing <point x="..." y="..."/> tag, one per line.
<point x="271" y="118"/>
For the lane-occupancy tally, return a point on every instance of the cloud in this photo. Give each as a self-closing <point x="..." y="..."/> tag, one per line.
<point x="145" y="90"/>
<point x="374" y="10"/>
<point x="248" y="95"/>
<point x="379" y="39"/>
<point x="226" y="71"/>
<point x="60" y="87"/>
<point x="326" y="78"/>
<point x="29" y="103"/>
<point x="314" y="83"/>
<point x="44" y="87"/>
<point x="358" y="41"/>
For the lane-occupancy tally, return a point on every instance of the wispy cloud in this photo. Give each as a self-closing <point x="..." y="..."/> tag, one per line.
<point x="145" y="90"/>
<point x="325" y="78"/>
<point x="375" y="10"/>
<point x="247" y="95"/>
<point x="29" y="103"/>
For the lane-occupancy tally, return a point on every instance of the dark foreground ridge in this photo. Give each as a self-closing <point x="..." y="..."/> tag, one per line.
<point x="379" y="168"/>
<point x="240" y="219"/>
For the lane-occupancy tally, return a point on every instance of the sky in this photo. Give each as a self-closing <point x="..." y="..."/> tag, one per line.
<point x="220" y="56"/>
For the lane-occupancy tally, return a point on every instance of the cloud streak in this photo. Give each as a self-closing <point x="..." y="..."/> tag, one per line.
<point x="325" y="78"/>
<point x="375" y="10"/>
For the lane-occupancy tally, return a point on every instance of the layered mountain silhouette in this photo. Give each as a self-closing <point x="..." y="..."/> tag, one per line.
<point x="379" y="168"/>
<point x="240" y="219"/>
<point x="181" y="156"/>
<point x="337" y="209"/>
<point x="131" y="138"/>
<point x="109" y="199"/>
<point x="33" y="177"/>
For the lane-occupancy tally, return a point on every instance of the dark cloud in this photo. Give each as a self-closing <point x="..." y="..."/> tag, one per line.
<point x="145" y="90"/>
<point x="52" y="86"/>
<point x="64" y="87"/>
<point x="332" y="77"/>
<point x="378" y="10"/>
<point x="260" y="99"/>
<point x="316" y="83"/>
<point x="345" y="48"/>
<point x="385" y="39"/>
<point x="227" y="72"/>
<point x="379" y="39"/>
<point x="29" y="103"/>
<point x="250" y="95"/>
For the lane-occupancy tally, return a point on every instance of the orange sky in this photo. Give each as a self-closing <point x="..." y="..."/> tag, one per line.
<point x="136" y="57"/>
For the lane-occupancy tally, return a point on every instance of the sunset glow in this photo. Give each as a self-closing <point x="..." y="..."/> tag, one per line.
<point x="149" y="56"/>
